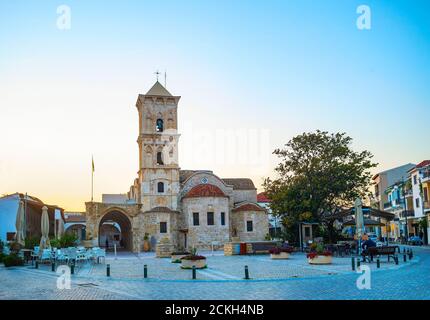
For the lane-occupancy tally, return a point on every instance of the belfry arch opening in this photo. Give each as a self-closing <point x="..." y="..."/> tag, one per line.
<point x="159" y="126"/>
<point x="115" y="229"/>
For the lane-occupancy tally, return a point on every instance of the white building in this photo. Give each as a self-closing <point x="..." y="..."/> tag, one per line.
<point x="9" y="206"/>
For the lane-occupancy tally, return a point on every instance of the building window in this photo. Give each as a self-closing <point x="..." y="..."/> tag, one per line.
<point x="211" y="221"/>
<point x="196" y="219"/>
<point x="307" y="232"/>
<point x="160" y="158"/>
<point x="417" y="202"/>
<point x="426" y="195"/>
<point x="249" y="226"/>
<point x="223" y="218"/>
<point x="160" y="125"/>
<point x="163" y="227"/>
<point x="415" y="179"/>
<point x="160" y="187"/>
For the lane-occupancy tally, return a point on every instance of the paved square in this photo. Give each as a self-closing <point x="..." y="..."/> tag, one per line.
<point x="223" y="279"/>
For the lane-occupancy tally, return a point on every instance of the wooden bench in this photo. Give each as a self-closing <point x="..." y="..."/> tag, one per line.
<point x="262" y="247"/>
<point x="389" y="251"/>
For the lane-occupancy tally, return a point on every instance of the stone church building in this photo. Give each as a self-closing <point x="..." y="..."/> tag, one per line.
<point x="187" y="208"/>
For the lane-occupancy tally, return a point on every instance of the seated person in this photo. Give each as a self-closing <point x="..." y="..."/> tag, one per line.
<point x="369" y="243"/>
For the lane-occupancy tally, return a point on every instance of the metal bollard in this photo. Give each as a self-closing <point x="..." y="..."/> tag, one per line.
<point x="53" y="266"/>
<point x="358" y="263"/>
<point x="404" y="250"/>
<point x="404" y="257"/>
<point x="194" y="272"/>
<point x="72" y="268"/>
<point x="396" y="260"/>
<point x="378" y="263"/>
<point x="353" y="263"/>
<point x="145" y="271"/>
<point x="246" y="273"/>
<point x="411" y="255"/>
<point x="108" y="270"/>
<point x="37" y="264"/>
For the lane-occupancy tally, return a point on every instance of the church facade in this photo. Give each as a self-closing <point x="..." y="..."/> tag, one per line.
<point x="186" y="208"/>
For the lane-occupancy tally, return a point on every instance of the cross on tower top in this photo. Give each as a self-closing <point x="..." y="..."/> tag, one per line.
<point x="157" y="73"/>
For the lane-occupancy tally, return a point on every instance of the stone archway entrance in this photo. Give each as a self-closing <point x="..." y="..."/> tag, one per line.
<point x="115" y="227"/>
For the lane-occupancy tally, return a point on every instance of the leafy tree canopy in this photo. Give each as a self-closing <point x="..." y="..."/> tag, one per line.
<point x="318" y="174"/>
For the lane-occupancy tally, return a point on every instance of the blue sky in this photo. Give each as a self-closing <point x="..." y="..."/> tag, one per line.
<point x="283" y="66"/>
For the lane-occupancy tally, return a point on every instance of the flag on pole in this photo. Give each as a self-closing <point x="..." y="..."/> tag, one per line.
<point x="92" y="178"/>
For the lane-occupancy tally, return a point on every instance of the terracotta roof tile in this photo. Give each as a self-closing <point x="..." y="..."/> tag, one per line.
<point x="262" y="197"/>
<point x="423" y="164"/>
<point x="248" y="207"/>
<point x="205" y="190"/>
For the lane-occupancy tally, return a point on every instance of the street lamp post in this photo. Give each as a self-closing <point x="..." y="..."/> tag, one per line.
<point x="405" y="212"/>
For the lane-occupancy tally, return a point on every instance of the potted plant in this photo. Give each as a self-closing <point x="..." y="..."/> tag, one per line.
<point x="280" y="252"/>
<point x="178" y="255"/>
<point x="12" y="260"/>
<point x="146" y="243"/>
<point x="15" y="247"/>
<point x="193" y="260"/>
<point x="319" y="256"/>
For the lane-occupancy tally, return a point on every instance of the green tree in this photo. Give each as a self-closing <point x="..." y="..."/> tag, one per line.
<point x="318" y="174"/>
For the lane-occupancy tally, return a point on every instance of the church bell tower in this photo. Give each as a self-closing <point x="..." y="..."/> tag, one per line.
<point x="158" y="149"/>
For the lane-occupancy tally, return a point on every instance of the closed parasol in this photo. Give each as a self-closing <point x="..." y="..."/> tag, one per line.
<point x="44" y="241"/>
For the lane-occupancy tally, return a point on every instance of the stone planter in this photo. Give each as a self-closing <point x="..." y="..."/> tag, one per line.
<point x="280" y="256"/>
<point x="188" y="264"/>
<point x="176" y="258"/>
<point x="321" y="260"/>
<point x="146" y="246"/>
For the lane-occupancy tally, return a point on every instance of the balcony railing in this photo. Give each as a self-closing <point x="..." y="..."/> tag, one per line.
<point x="394" y="204"/>
<point x="407" y="213"/>
<point x="408" y="192"/>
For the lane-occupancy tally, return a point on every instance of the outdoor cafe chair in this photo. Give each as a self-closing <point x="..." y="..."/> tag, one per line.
<point x="46" y="255"/>
<point x="89" y="256"/>
<point x="35" y="253"/>
<point x="100" y="254"/>
<point x="71" y="256"/>
<point x="80" y="257"/>
<point x="60" y="256"/>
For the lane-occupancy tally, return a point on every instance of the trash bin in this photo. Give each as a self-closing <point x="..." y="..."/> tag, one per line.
<point x="243" y="248"/>
<point x="236" y="248"/>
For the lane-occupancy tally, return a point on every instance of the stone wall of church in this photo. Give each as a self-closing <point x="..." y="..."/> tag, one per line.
<point x="203" y="235"/>
<point x="259" y="221"/>
<point x="149" y="223"/>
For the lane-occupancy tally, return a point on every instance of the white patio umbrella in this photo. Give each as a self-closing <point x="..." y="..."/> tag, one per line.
<point x="20" y="224"/>
<point x="359" y="221"/>
<point x="44" y="241"/>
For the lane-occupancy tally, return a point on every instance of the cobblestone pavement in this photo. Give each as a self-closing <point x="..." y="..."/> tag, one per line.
<point x="223" y="279"/>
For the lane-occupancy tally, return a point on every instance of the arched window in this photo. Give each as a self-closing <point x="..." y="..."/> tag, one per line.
<point x="160" y="158"/>
<point x="160" y="187"/>
<point x="160" y="125"/>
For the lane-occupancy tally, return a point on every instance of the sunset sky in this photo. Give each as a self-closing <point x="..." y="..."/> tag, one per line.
<point x="259" y="72"/>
